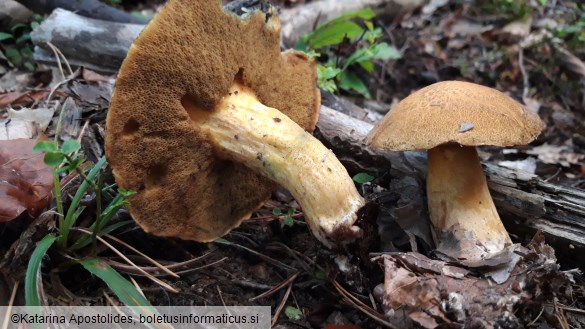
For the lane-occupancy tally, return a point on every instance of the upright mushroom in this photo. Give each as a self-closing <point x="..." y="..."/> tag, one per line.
<point x="449" y="119"/>
<point x="207" y="114"/>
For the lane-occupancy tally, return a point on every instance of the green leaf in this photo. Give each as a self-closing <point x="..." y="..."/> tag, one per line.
<point x="364" y="14"/>
<point x="18" y="26"/>
<point x="350" y="81"/>
<point x="320" y="275"/>
<point x="23" y="38"/>
<point x="276" y="212"/>
<point x="45" y="146"/>
<point x="293" y="313"/>
<point x="126" y="193"/>
<point x="325" y="76"/>
<point x="124" y="289"/>
<point x="290" y="211"/>
<point x="327" y="72"/>
<point x="70" y="217"/>
<point x="334" y="34"/>
<point x="386" y="52"/>
<point x="26" y="52"/>
<point x="288" y="221"/>
<point x="5" y="36"/>
<point x="70" y="146"/>
<point x="54" y="159"/>
<point x="367" y="65"/>
<point x="29" y="66"/>
<point x="34" y="25"/>
<point x="14" y="55"/>
<point x="362" y="178"/>
<point x="31" y="292"/>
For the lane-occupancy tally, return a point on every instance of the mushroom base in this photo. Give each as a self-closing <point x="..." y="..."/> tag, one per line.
<point x="465" y="219"/>
<point x="265" y="140"/>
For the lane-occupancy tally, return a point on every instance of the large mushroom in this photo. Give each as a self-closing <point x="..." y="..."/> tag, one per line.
<point x="449" y="119"/>
<point x="208" y="116"/>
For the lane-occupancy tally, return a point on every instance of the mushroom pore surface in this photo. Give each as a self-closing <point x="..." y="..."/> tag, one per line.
<point x="193" y="49"/>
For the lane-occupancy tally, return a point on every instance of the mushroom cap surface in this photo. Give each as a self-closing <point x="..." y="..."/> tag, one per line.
<point x="191" y="53"/>
<point x="455" y="112"/>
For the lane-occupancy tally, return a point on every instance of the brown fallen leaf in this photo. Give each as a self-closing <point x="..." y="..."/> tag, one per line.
<point x="26" y="182"/>
<point x="91" y="76"/>
<point x="418" y="290"/>
<point x="25" y="98"/>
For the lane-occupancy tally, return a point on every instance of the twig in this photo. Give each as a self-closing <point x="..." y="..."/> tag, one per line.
<point x="132" y="270"/>
<point x="358" y="304"/>
<point x="525" y="79"/>
<point x="148" y="275"/>
<point x="262" y="256"/>
<point x="58" y="54"/>
<point x="281" y="305"/>
<point x="287" y="281"/>
<point x="10" y="303"/>
<point x="157" y="264"/>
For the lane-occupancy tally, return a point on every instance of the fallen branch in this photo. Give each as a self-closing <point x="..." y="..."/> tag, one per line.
<point x="101" y="45"/>
<point x="87" y="8"/>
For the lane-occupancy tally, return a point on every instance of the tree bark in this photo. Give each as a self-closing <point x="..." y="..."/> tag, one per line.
<point x="92" y="43"/>
<point x="87" y="8"/>
<point x="525" y="202"/>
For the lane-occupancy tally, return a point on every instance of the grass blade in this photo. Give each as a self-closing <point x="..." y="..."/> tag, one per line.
<point x="31" y="291"/>
<point x="123" y="288"/>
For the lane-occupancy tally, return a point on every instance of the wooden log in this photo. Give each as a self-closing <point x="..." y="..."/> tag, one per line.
<point x="102" y="45"/>
<point x="525" y="202"/>
<point x="93" y="43"/>
<point x="87" y="8"/>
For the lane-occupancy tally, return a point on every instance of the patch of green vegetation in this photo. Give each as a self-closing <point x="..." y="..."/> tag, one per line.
<point x="65" y="159"/>
<point x="16" y="45"/>
<point x="287" y="219"/>
<point x="342" y="46"/>
<point x="572" y="29"/>
<point x="363" y="177"/>
<point x="515" y="9"/>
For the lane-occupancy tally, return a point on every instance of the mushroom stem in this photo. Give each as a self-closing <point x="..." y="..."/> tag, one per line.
<point x="460" y="205"/>
<point x="265" y="140"/>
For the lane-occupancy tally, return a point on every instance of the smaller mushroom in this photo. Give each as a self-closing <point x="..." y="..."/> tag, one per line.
<point x="449" y="119"/>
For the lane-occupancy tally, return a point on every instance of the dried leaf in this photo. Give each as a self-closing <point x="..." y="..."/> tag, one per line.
<point x="21" y="97"/>
<point x="25" y="181"/>
<point x="553" y="154"/>
<point x="91" y="76"/>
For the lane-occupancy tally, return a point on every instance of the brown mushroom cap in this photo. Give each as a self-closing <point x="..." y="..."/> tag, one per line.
<point x="455" y="111"/>
<point x="190" y="54"/>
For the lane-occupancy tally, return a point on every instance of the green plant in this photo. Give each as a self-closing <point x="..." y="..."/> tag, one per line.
<point x="16" y="45"/>
<point x="287" y="219"/>
<point x="515" y="9"/>
<point x="64" y="159"/>
<point x="572" y="29"/>
<point x="343" y="45"/>
<point x="293" y="313"/>
<point x="363" y="177"/>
